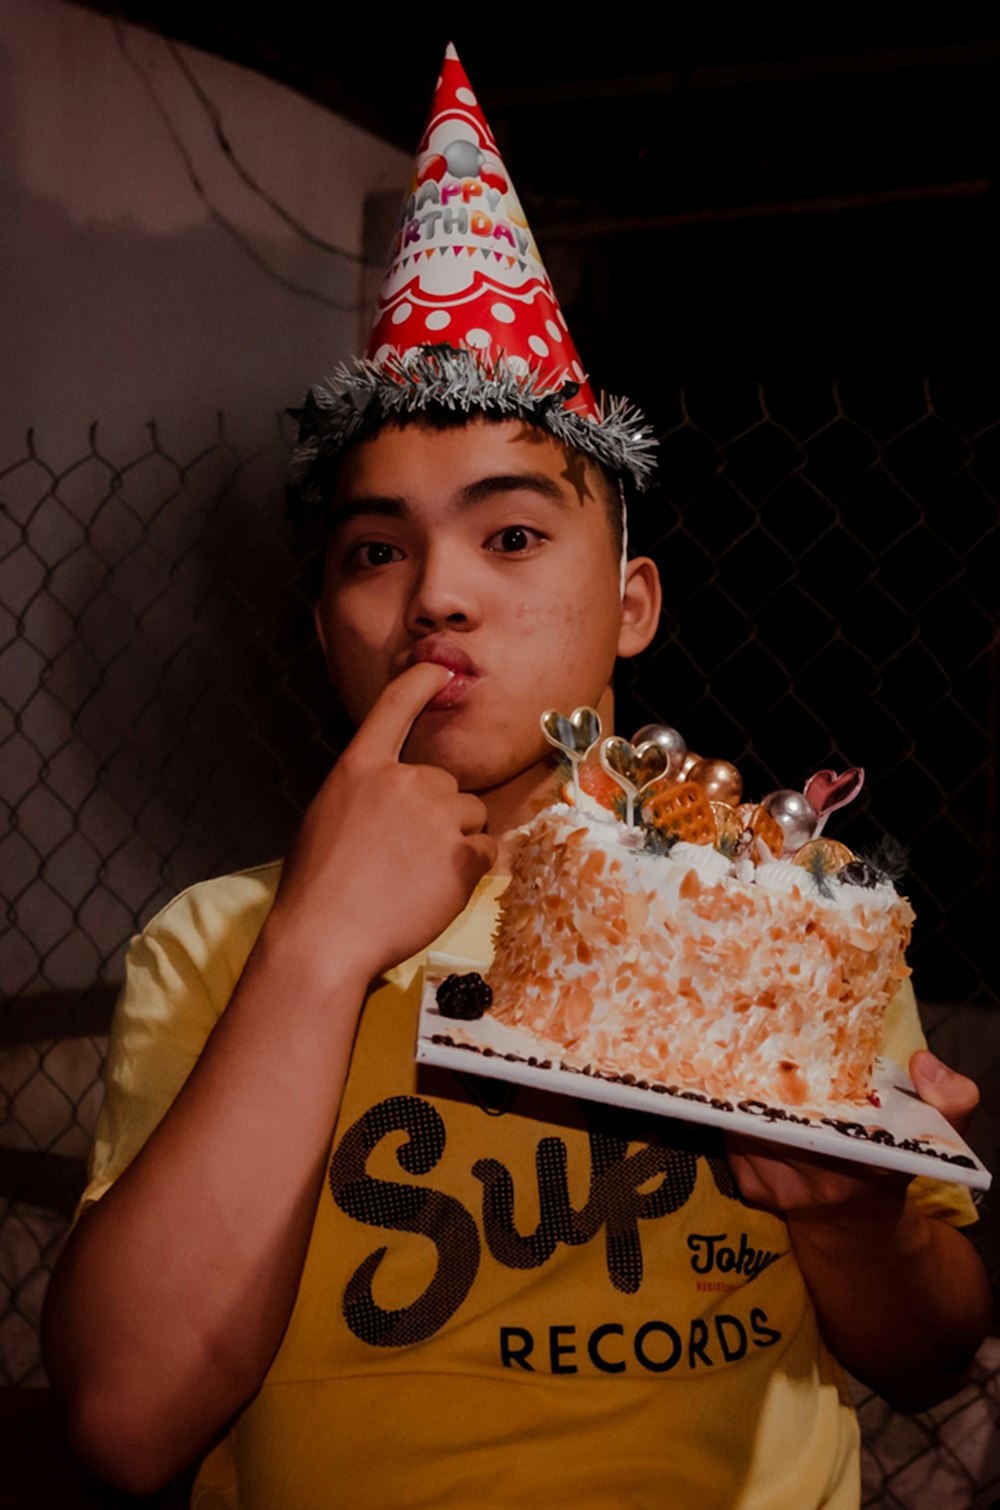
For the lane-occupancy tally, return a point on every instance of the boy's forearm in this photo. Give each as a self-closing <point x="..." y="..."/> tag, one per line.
<point x="174" y="1292"/>
<point x="903" y="1300"/>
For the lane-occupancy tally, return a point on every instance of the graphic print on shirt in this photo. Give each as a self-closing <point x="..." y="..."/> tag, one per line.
<point x="616" y="1207"/>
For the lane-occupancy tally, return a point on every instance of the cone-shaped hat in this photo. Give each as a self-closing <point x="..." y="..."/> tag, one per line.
<point x="464" y="268"/>
<point x="466" y="317"/>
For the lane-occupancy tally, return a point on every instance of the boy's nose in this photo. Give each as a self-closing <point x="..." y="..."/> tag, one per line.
<point x="442" y="595"/>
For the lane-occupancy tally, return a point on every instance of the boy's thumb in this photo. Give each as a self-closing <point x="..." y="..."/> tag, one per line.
<point x="955" y="1096"/>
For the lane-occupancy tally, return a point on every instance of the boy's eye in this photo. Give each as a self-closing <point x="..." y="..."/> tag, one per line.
<point x="513" y="539"/>
<point x="374" y="553"/>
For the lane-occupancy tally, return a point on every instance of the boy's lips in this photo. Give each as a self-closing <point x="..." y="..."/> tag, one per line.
<point x="464" y="670"/>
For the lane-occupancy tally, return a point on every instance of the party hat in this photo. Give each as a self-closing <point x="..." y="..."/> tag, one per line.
<point x="466" y="318"/>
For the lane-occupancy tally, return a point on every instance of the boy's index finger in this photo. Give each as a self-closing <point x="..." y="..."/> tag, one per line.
<point x="397" y="708"/>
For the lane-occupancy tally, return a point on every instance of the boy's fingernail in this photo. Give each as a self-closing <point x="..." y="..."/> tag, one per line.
<point x="932" y="1068"/>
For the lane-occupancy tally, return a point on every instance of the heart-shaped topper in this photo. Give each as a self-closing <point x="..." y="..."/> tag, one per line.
<point x="633" y="767"/>
<point x="668" y="739"/>
<point x="827" y="791"/>
<point x="576" y="736"/>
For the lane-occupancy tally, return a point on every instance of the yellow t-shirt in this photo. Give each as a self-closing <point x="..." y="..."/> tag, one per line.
<point x="508" y="1297"/>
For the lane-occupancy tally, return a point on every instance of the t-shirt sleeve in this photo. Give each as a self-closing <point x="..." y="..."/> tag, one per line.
<point x="180" y="973"/>
<point x="902" y="1036"/>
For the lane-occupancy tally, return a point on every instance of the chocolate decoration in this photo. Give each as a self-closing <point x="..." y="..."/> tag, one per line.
<point x="859" y="873"/>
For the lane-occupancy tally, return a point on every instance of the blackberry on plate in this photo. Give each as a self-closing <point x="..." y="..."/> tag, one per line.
<point x="464" y="997"/>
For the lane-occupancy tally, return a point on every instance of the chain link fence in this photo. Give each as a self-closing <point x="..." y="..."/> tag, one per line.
<point x="830" y="555"/>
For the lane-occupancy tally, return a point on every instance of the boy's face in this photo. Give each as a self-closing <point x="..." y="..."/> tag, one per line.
<point x="487" y="549"/>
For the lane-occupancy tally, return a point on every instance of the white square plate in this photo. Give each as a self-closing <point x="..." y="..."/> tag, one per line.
<point x="902" y="1133"/>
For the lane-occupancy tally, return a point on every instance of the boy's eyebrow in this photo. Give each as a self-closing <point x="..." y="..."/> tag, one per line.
<point x="480" y="491"/>
<point x="513" y="482"/>
<point x="366" y="507"/>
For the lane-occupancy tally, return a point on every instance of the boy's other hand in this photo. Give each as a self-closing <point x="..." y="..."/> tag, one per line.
<point x="902" y="1299"/>
<point x="955" y="1096"/>
<point x="387" y="854"/>
<point x="808" y="1187"/>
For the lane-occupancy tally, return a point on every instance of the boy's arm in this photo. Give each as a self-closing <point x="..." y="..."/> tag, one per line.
<point x="902" y="1299"/>
<point x="174" y="1291"/>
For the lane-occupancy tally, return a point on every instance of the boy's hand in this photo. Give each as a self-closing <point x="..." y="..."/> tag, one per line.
<point x="174" y="1292"/>
<point x="954" y="1096"/>
<point x="901" y="1298"/>
<point x="387" y="854"/>
<point x="811" y="1187"/>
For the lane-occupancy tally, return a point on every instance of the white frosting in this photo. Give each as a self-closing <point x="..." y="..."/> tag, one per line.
<point x="665" y="873"/>
<point x="709" y="865"/>
<point x="782" y="876"/>
<point x="878" y="898"/>
<point x="586" y="804"/>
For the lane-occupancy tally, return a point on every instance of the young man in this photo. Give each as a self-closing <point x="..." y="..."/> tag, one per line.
<point x="367" y="1287"/>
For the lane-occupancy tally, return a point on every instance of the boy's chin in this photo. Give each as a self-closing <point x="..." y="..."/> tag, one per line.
<point x="477" y="765"/>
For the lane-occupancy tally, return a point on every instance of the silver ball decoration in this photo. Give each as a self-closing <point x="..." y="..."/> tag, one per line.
<point x="669" y="741"/>
<point x="795" y="815"/>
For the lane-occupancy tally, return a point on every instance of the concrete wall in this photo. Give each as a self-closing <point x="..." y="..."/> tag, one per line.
<point x="146" y="272"/>
<point x="178" y="237"/>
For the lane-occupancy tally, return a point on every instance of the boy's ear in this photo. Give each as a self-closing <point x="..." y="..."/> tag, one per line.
<point x="642" y="600"/>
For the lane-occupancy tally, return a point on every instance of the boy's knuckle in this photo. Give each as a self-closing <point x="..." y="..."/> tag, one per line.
<point x="351" y="763"/>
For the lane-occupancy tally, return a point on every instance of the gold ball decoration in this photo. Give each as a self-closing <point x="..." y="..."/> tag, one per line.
<point x="690" y="761"/>
<point x="721" y="780"/>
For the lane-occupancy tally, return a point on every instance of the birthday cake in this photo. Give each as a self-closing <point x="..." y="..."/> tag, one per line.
<point x="688" y="941"/>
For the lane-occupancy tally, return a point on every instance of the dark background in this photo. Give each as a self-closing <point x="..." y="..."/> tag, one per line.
<point x="814" y="195"/>
<point x="783" y="243"/>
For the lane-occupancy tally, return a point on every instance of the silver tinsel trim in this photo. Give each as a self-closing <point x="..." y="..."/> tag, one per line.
<point x="357" y="398"/>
